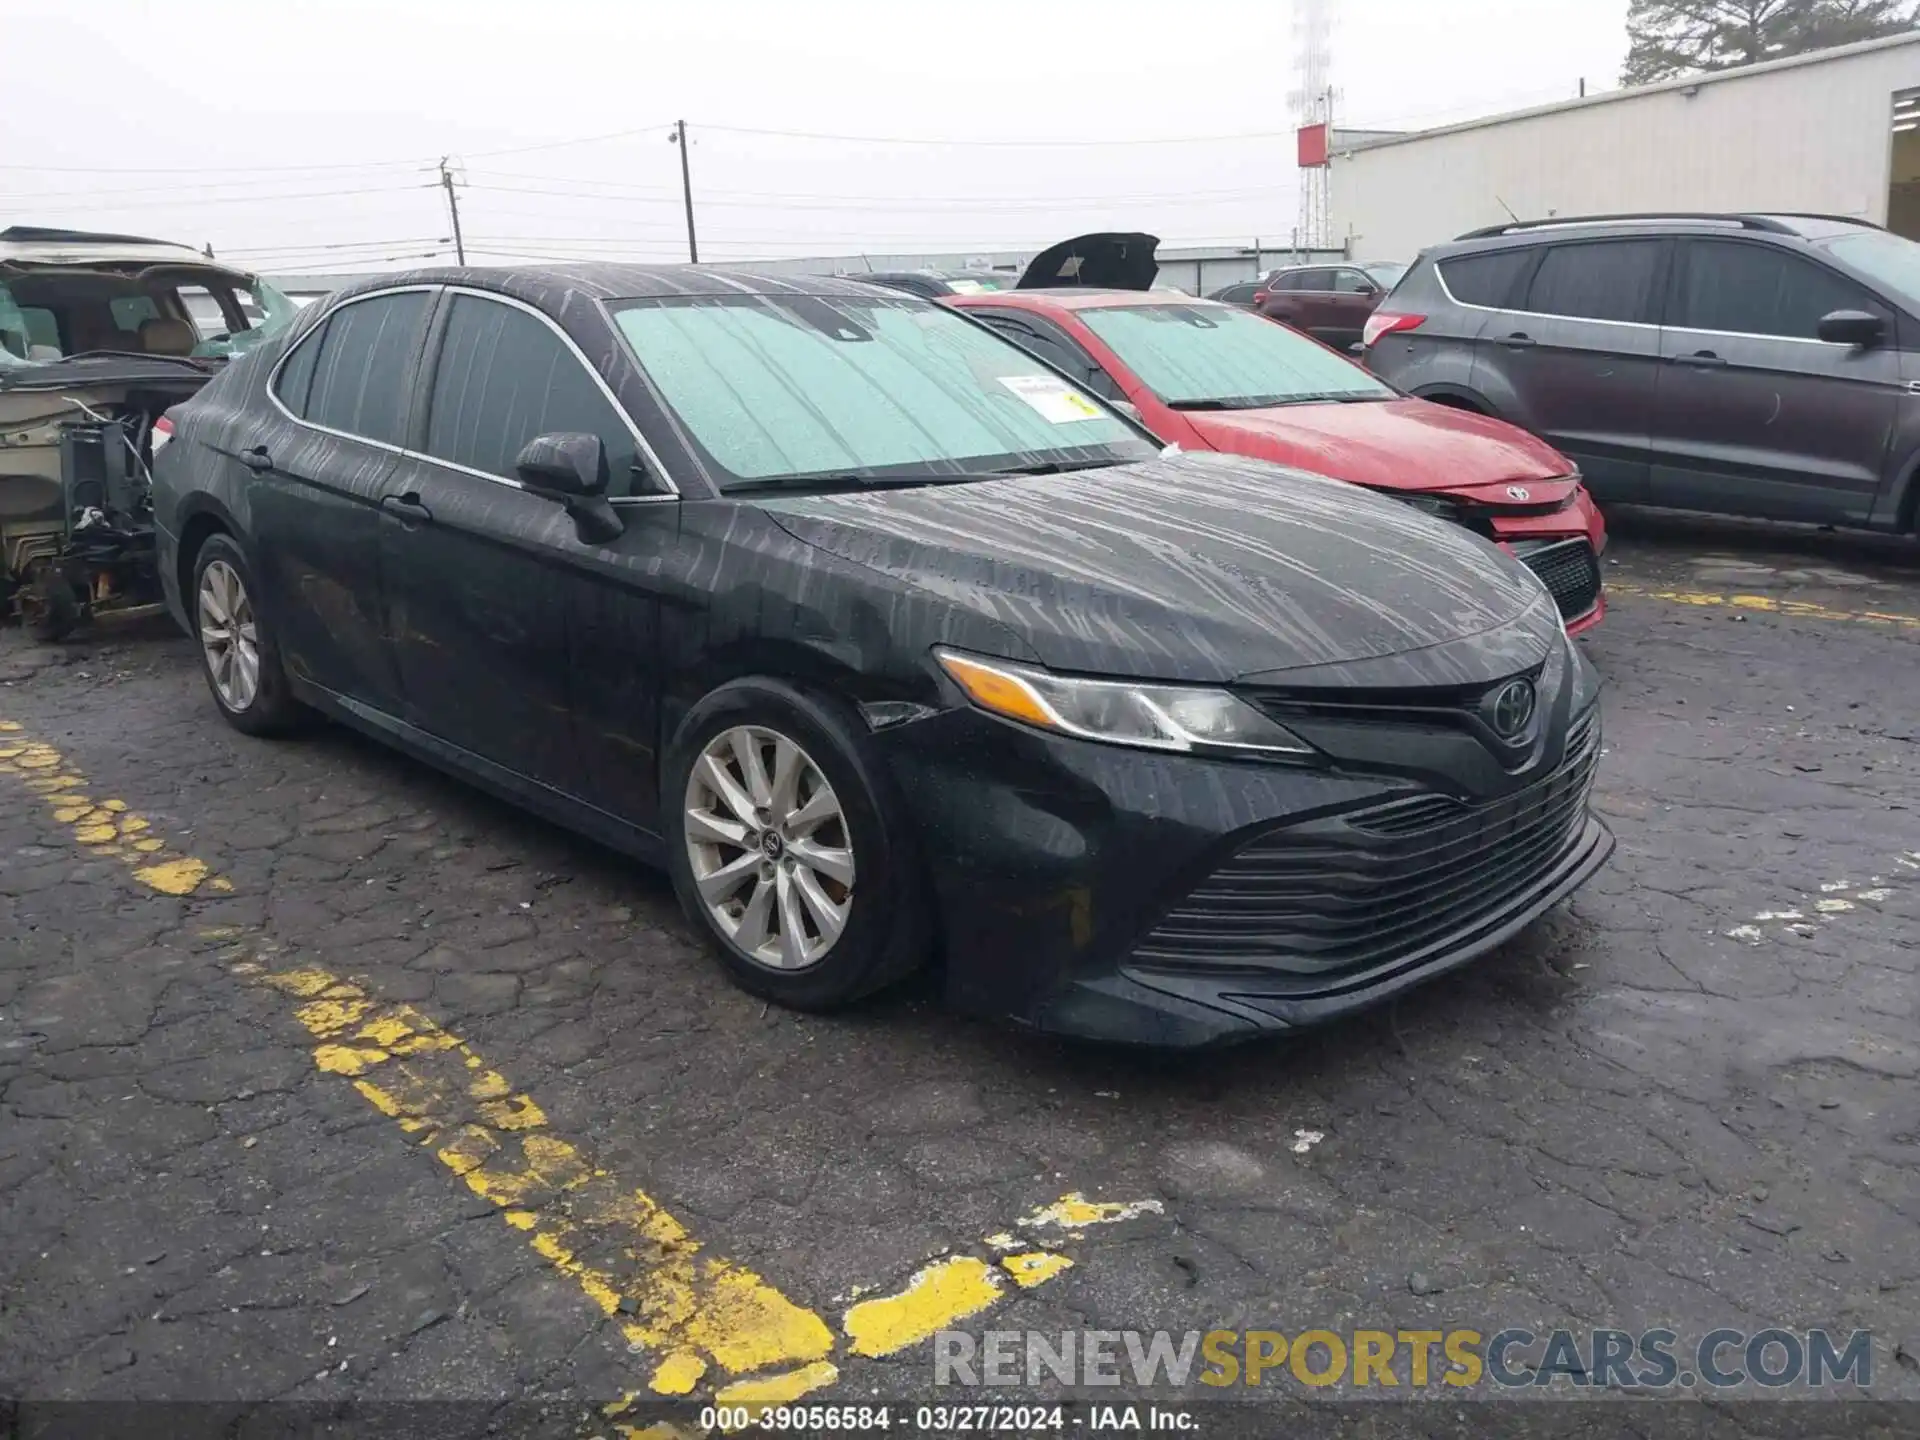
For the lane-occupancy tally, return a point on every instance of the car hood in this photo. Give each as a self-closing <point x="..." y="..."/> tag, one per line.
<point x="1391" y="445"/>
<point x="1111" y="260"/>
<point x="1196" y="567"/>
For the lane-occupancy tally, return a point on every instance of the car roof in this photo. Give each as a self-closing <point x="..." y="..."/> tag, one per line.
<point x="1764" y="224"/>
<point x="47" y="245"/>
<point x="548" y="286"/>
<point x="1080" y="297"/>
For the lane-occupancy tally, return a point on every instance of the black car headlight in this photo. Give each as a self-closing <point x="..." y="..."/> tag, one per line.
<point x="1119" y="712"/>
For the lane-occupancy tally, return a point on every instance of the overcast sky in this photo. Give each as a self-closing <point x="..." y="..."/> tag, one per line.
<point x="269" y="129"/>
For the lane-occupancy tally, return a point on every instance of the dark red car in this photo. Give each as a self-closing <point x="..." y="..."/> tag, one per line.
<point x="1329" y="302"/>
<point x="1208" y="376"/>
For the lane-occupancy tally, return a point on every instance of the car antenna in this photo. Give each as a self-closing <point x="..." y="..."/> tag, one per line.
<point x="1509" y="209"/>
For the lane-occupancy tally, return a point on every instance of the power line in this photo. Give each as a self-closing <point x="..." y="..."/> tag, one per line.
<point x="338" y="245"/>
<point x="237" y="199"/>
<point x="1003" y="144"/>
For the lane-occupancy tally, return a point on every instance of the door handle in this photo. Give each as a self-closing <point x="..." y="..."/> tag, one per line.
<point x="407" y="509"/>
<point x="1519" y="341"/>
<point x="1702" y="359"/>
<point x="257" y="459"/>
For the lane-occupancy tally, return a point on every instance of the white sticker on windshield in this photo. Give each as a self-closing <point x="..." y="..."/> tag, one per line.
<point x="1058" y="401"/>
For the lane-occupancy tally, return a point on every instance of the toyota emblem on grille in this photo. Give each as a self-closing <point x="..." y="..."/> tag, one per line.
<point x="1519" y="492"/>
<point x="1511" y="708"/>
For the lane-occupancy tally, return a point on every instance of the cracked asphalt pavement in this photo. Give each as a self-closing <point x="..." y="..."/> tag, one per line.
<point x="1685" y="1099"/>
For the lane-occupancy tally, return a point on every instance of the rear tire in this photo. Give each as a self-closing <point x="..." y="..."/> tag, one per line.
<point x="238" y="651"/>
<point x="788" y="850"/>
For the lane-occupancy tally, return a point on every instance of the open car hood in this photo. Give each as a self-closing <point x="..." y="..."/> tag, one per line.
<point x="1111" y="260"/>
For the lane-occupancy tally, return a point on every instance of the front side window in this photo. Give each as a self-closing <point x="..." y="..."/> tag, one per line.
<point x="1892" y="260"/>
<point x="799" y="388"/>
<point x="504" y="378"/>
<point x="1599" y="280"/>
<point x="1216" y="357"/>
<point x="1353" y="282"/>
<point x="361" y="367"/>
<point x="1386" y="275"/>
<point x="1756" y="290"/>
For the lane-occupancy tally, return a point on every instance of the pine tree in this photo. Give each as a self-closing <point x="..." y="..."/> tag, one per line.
<point x="1679" y="37"/>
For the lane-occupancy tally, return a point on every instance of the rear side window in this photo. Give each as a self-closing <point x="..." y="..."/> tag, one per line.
<point x="1316" y="281"/>
<point x="1600" y="280"/>
<point x="504" y="377"/>
<point x="1488" y="279"/>
<point x="1756" y="290"/>
<point x="362" y="367"/>
<point x="295" y="380"/>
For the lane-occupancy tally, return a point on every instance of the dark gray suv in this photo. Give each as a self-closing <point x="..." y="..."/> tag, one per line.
<point x="1764" y="365"/>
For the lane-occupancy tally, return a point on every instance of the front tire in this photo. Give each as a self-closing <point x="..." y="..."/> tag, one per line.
<point x="238" y="651"/>
<point x="787" y="849"/>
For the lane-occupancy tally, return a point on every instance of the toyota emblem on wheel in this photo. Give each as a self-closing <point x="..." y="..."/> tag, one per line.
<point x="1519" y="492"/>
<point x="1511" y="709"/>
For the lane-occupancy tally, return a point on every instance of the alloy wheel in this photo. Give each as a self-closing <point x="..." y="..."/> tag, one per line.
<point x="229" y="637"/>
<point x="768" y="845"/>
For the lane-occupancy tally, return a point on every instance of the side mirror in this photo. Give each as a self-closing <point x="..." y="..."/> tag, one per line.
<point x="572" y="468"/>
<point x="1852" y="327"/>
<point x="563" y="463"/>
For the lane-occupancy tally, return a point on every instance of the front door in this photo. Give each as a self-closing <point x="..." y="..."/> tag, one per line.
<point x="313" y="492"/>
<point x="1578" y="356"/>
<point x="1755" y="414"/>
<point x="485" y="580"/>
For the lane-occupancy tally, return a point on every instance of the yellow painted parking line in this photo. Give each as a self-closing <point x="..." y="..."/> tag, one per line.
<point x="1766" y="604"/>
<point x="695" y="1314"/>
<point x="102" y="827"/>
<point x="706" y="1323"/>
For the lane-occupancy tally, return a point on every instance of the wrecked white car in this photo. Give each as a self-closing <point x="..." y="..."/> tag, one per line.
<point x="99" y="335"/>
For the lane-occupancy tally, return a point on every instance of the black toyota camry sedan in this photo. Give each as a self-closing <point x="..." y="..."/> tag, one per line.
<point x="889" y="643"/>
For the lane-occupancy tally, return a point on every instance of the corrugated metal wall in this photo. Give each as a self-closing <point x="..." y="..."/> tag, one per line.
<point x="1810" y="137"/>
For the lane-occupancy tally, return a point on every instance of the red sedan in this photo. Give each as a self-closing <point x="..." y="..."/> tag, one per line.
<point x="1208" y="376"/>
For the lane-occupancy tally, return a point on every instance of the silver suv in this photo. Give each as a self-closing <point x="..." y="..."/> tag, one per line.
<point x="1764" y="365"/>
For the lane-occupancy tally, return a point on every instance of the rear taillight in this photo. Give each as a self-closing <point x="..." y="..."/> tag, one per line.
<point x="1380" y="325"/>
<point x="1260" y="297"/>
<point x="162" y="433"/>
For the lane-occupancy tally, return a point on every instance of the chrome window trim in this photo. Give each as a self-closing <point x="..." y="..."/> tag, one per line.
<point x="273" y="394"/>
<point x="1440" y="274"/>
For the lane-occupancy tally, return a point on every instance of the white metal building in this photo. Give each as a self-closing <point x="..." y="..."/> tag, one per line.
<point x="1833" y="132"/>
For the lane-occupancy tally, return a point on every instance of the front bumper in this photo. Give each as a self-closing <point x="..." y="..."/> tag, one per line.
<point x="1183" y="901"/>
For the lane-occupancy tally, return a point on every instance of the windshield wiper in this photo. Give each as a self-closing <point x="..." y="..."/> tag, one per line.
<point x="1049" y="467"/>
<point x="818" y="483"/>
<point x="1268" y="402"/>
<point x="193" y="362"/>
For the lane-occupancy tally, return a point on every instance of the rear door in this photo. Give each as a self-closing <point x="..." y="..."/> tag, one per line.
<point x="341" y="398"/>
<point x="481" y="573"/>
<point x="1755" y="414"/>
<point x="1348" y="304"/>
<point x="1576" y="357"/>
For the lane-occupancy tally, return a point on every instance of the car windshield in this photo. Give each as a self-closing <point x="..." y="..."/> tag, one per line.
<point x="1214" y="356"/>
<point x="1890" y="259"/>
<point x="798" y="389"/>
<point x="49" y="314"/>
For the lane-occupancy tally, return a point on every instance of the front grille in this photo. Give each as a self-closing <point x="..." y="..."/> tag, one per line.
<point x="1571" y="572"/>
<point x="1377" y="885"/>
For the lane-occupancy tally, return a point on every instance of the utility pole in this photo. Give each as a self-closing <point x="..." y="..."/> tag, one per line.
<point x="453" y="210"/>
<point x="679" y="137"/>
